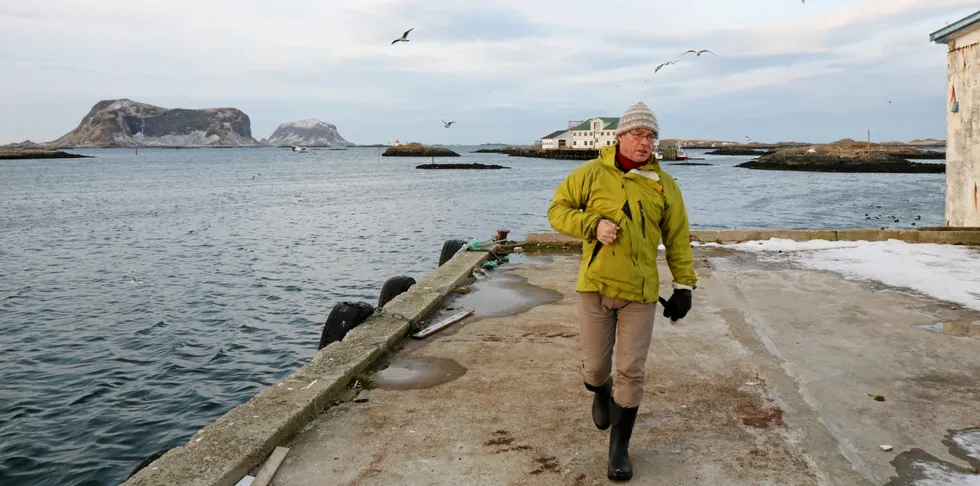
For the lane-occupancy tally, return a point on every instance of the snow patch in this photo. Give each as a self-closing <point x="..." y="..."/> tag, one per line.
<point x="198" y="137"/>
<point x="945" y="272"/>
<point x="969" y="442"/>
<point x="307" y="123"/>
<point x="938" y="475"/>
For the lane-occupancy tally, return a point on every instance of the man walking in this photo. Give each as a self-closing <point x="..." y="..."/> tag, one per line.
<point x="621" y="205"/>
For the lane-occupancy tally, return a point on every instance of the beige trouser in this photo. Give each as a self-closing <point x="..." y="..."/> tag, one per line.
<point x="605" y="321"/>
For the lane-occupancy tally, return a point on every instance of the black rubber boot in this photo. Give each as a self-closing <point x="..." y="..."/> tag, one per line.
<point x="620" y="467"/>
<point x="600" y="403"/>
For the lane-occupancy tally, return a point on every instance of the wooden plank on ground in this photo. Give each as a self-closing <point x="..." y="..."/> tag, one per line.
<point x="443" y="324"/>
<point x="264" y="476"/>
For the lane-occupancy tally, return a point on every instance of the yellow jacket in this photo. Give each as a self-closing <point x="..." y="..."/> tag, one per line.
<point x="647" y="205"/>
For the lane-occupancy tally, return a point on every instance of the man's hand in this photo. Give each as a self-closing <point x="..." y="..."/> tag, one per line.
<point x="606" y="231"/>
<point x="678" y="305"/>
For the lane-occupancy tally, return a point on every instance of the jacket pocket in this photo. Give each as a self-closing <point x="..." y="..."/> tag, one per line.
<point x="595" y="252"/>
<point x="613" y="266"/>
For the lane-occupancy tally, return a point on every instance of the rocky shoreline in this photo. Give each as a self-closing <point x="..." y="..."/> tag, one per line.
<point x="736" y="151"/>
<point x="461" y="166"/>
<point x="816" y="162"/>
<point x="27" y="154"/>
<point x="418" y="150"/>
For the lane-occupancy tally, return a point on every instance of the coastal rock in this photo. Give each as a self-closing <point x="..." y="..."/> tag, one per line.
<point x="25" y="154"/>
<point x="26" y="144"/>
<point x="127" y="123"/>
<point x="461" y="166"/>
<point x="307" y="133"/>
<point x="418" y="150"/>
<point x="928" y="142"/>
<point x="705" y="144"/>
<point x="736" y="151"/>
<point x="842" y="161"/>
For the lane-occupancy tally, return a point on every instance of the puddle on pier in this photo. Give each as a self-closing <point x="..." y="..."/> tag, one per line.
<point x="499" y="295"/>
<point x="416" y="373"/>
<point x="917" y="467"/>
<point x="934" y="327"/>
<point x="525" y="259"/>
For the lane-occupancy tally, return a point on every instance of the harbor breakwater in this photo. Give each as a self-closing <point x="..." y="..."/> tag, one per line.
<point x="239" y="442"/>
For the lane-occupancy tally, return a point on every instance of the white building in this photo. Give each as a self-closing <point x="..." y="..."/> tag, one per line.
<point x="587" y="135"/>
<point x="962" y="129"/>
<point x="594" y="133"/>
<point x="560" y="139"/>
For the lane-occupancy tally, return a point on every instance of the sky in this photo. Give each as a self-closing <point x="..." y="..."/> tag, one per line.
<point x="506" y="71"/>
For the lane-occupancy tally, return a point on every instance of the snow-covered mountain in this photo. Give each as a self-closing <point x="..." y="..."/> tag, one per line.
<point x="127" y="123"/>
<point x="307" y="133"/>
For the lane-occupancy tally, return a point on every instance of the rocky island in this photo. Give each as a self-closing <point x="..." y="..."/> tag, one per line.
<point x="127" y="123"/>
<point x="736" y="151"/>
<point x="416" y="149"/>
<point x="848" y="156"/>
<point x="25" y="154"/>
<point x="306" y="133"/>
<point x="461" y="166"/>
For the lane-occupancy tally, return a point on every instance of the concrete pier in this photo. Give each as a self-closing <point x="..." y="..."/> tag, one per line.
<point x="778" y="375"/>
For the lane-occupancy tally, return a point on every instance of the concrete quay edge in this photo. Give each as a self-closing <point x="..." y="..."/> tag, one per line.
<point x="223" y="452"/>
<point x="948" y="236"/>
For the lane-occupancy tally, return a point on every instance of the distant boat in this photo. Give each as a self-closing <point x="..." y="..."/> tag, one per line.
<point x="681" y="154"/>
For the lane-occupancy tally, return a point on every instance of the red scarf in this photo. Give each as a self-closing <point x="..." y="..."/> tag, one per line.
<point x="627" y="163"/>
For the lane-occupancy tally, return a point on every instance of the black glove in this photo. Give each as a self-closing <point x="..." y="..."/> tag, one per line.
<point x="678" y="305"/>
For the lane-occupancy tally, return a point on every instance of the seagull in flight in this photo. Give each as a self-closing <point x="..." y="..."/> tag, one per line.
<point x="664" y="64"/>
<point x="699" y="52"/>
<point x="444" y="122"/>
<point x="404" y="37"/>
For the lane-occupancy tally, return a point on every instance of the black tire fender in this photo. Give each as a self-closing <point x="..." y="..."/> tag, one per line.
<point x="449" y="249"/>
<point x="146" y="462"/>
<point x="394" y="287"/>
<point x="345" y="316"/>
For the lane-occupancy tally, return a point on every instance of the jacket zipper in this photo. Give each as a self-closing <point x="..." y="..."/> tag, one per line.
<point x="643" y="220"/>
<point x="635" y="256"/>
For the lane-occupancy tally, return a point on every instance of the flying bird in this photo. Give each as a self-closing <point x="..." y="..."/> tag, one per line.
<point x="444" y="122"/>
<point x="404" y="37"/>
<point x="699" y="52"/>
<point x="664" y="64"/>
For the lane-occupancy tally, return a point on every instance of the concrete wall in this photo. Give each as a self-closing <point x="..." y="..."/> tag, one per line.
<point x="950" y="237"/>
<point x="963" y="131"/>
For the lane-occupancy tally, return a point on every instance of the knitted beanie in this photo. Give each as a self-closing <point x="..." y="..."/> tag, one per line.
<point x="638" y="116"/>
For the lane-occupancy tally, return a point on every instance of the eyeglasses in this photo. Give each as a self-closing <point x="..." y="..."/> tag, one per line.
<point x="651" y="137"/>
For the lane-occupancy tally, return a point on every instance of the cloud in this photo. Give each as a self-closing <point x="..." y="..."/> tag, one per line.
<point x="548" y="60"/>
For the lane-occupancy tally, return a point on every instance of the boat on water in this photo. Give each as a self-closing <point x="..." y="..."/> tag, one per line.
<point x="681" y="154"/>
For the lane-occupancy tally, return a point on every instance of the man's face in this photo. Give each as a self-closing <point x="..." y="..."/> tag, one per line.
<point x="637" y="144"/>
